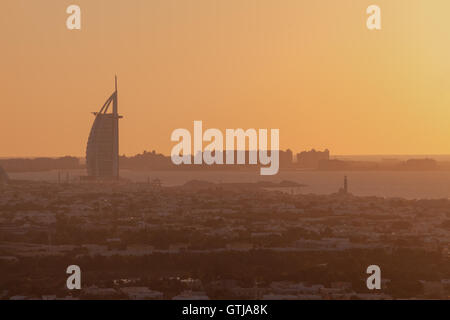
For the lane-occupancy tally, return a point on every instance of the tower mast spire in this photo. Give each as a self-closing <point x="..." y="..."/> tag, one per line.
<point x="116" y="131"/>
<point x="115" y="102"/>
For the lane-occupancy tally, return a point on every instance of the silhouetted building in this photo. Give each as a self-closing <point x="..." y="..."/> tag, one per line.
<point x="420" y="164"/>
<point x="344" y="189"/>
<point x="310" y="159"/>
<point x="102" y="152"/>
<point x="286" y="158"/>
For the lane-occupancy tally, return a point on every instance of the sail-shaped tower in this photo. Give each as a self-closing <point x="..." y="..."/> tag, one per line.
<point x="102" y="152"/>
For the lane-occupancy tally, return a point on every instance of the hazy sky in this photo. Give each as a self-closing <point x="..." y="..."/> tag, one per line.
<point x="309" y="68"/>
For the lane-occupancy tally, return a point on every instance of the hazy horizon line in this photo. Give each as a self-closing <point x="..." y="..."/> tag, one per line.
<point x="331" y="155"/>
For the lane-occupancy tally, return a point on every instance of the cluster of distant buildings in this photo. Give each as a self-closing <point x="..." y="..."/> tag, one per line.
<point x="309" y="160"/>
<point x="103" y="160"/>
<point x="304" y="159"/>
<point x="49" y="220"/>
<point x="384" y="164"/>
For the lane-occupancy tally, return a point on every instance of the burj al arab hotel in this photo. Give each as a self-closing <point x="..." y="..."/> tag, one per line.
<point x="102" y="152"/>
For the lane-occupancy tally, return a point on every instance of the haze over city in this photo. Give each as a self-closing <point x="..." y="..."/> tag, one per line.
<point x="243" y="151"/>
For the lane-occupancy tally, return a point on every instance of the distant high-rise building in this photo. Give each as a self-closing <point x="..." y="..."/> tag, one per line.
<point x="344" y="189"/>
<point x="311" y="159"/>
<point x="102" y="152"/>
<point x="286" y="158"/>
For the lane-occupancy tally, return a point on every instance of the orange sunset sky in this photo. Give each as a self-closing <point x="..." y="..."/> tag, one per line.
<point x="310" y="68"/>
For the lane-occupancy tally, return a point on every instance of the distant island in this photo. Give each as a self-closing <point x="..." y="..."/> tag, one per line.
<point x="305" y="160"/>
